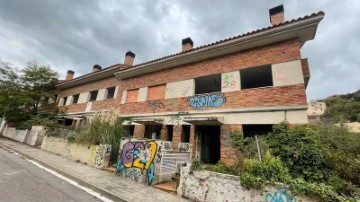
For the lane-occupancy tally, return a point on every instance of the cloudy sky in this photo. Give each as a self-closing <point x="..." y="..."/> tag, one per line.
<point x="76" y="35"/>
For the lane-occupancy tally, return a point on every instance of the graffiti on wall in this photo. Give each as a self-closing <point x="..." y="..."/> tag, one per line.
<point x="184" y="147"/>
<point x="155" y="104"/>
<point x="210" y="100"/>
<point x="229" y="81"/>
<point x="138" y="156"/>
<point x="279" y="196"/>
<point x="227" y="139"/>
<point x="102" y="155"/>
<point x="280" y="76"/>
<point x="175" y="120"/>
<point x="186" y="90"/>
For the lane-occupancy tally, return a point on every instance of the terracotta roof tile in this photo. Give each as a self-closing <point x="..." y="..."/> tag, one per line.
<point x="235" y="37"/>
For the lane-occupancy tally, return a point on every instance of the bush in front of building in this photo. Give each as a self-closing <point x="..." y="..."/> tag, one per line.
<point x="321" y="161"/>
<point x="103" y="128"/>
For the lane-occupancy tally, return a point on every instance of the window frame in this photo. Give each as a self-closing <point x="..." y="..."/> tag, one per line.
<point x="244" y="77"/>
<point x="107" y="92"/>
<point x="77" y="100"/>
<point x="196" y="80"/>
<point x="97" y="91"/>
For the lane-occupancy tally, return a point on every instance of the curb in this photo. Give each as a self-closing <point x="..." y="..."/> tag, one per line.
<point x="81" y="182"/>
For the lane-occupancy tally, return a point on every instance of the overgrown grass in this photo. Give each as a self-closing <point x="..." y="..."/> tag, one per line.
<point x="103" y="128"/>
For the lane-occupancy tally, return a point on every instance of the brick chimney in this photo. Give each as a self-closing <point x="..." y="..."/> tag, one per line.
<point x="187" y="44"/>
<point x="96" y="68"/>
<point x="277" y="15"/>
<point x="129" y="58"/>
<point x="69" y="75"/>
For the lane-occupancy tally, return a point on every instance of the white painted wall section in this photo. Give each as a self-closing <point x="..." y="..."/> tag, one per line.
<point x="123" y="97"/>
<point x="69" y="100"/>
<point x="142" y="94"/>
<point x="83" y="97"/>
<point x="116" y="92"/>
<point x="180" y="89"/>
<point x="102" y="93"/>
<point x="61" y="102"/>
<point x="230" y="81"/>
<point x="287" y="73"/>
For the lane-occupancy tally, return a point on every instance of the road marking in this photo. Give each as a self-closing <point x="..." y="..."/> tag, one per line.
<point x="87" y="190"/>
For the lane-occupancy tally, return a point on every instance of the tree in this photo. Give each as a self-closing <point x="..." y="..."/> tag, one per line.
<point x="23" y="91"/>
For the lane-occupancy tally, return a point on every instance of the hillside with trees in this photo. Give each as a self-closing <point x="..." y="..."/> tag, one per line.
<point x="343" y="108"/>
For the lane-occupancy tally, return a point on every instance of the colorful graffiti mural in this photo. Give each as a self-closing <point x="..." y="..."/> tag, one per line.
<point x="138" y="155"/>
<point x="279" y="196"/>
<point x="209" y="100"/>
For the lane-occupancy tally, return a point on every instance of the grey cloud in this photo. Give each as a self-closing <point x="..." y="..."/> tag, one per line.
<point x="78" y="34"/>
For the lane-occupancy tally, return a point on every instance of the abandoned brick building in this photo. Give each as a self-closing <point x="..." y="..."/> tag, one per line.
<point x="248" y="83"/>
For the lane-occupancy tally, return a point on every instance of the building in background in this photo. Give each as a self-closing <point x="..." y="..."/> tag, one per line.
<point x="315" y="111"/>
<point x="247" y="83"/>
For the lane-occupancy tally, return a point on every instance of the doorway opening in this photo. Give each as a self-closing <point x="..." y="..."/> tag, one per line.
<point x="169" y="129"/>
<point x="152" y="131"/>
<point x="185" y="137"/>
<point x="209" y="143"/>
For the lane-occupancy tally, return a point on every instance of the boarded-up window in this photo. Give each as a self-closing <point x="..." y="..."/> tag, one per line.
<point x="132" y="95"/>
<point x="156" y="92"/>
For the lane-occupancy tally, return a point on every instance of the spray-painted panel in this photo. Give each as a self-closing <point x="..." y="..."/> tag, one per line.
<point x="180" y="89"/>
<point x="287" y="73"/>
<point x="230" y="81"/>
<point x="83" y="97"/>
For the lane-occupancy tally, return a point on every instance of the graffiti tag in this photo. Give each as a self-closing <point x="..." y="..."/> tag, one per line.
<point x="155" y="104"/>
<point x="138" y="155"/>
<point x="279" y="196"/>
<point x="175" y="120"/>
<point x="210" y="100"/>
<point x="229" y="81"/>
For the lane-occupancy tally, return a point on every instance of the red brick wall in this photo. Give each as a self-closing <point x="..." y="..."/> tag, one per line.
<point x="97" y="105"/>
<point x="156" y="92"/>
<point x="276" y="53"/>
<point x="132" y="95"/>
<point x="229" y="154"/>
<point x="259" y="97"/>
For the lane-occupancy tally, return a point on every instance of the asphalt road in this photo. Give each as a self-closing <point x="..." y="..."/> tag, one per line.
<point x="20" y="180"/>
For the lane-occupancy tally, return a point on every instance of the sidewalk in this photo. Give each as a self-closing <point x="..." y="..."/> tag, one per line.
<point x="107" y="184"/>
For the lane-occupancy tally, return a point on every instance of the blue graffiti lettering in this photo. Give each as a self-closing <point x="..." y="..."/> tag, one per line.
<point x="151" y="173"/>
<point x="210" y="100"/>
<point x="279" y="196"/>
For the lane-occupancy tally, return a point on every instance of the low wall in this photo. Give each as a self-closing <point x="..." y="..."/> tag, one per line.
<point x="18" y="135"/>
<point x="93" y="155"/>
<point x="211" y="186"/>
<point x="150" y="161"/>
<point x="36" y="135"/>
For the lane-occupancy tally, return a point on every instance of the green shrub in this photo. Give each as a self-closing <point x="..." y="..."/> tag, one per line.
<point x="300" y="151"/>
<point x="248" y="145"/>
<point x="319" y="190"/>
<point x="196" y="164"/>
<point x="269" y="170"/>
<point x="103" y="128"/>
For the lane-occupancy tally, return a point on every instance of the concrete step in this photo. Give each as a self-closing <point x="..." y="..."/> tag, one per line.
<point x="169" y="187"/>
<point x="110" y="169"/>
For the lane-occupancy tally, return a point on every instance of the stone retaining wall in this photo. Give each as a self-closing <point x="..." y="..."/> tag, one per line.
<point x="93" y="155"/>
<point x="18" y="135"/>
<point x="211" y="186"/>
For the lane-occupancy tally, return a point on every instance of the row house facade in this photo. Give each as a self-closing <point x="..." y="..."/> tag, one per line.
<point x="246" y="83"/>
